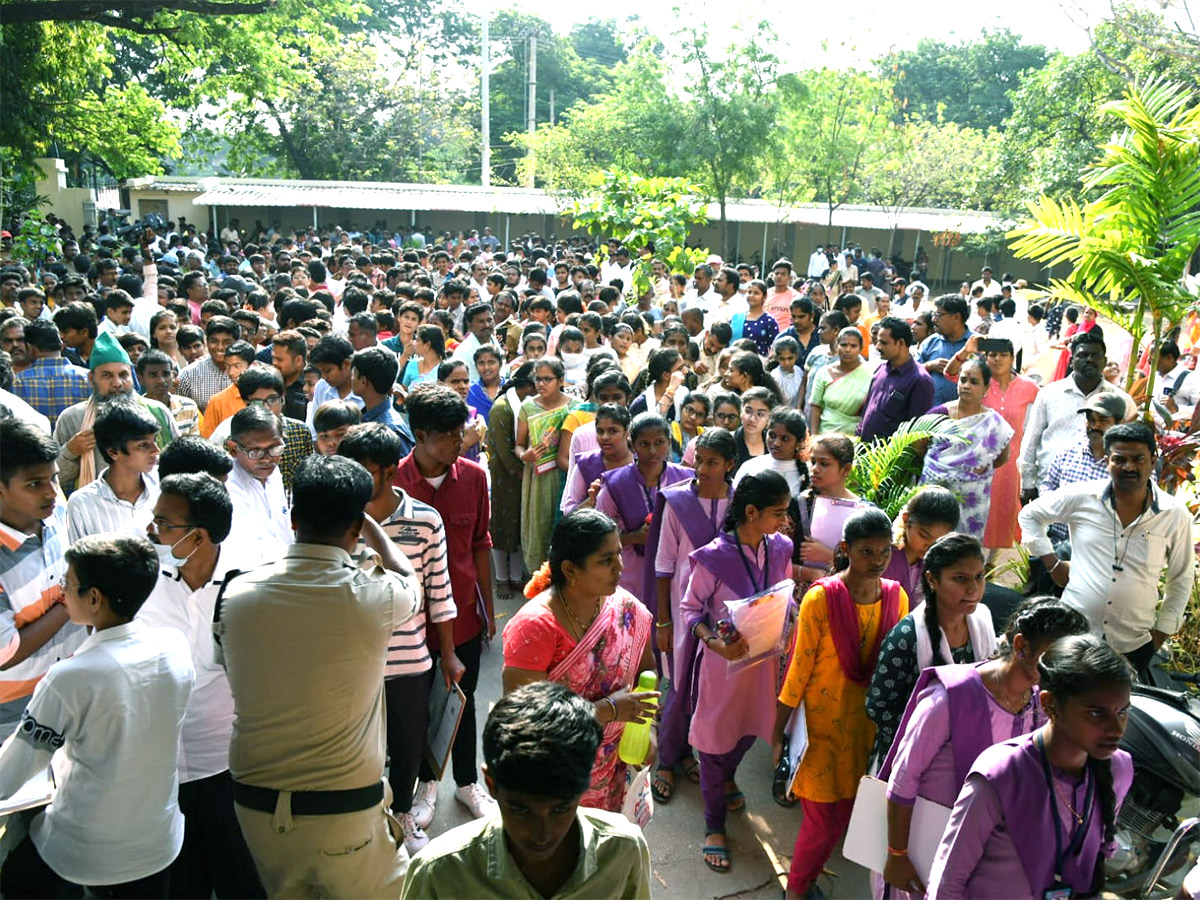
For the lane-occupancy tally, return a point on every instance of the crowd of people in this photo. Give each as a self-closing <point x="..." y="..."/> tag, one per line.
<point x="258" y="499"/>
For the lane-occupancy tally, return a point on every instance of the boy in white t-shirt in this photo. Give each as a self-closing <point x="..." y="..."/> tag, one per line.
<point x="110" y="717"/>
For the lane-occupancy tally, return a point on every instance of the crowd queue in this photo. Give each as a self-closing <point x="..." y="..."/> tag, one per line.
<point x="257" y="499"/>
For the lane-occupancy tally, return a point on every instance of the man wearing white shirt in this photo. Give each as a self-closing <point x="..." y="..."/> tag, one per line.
<point x="262" y="515"/>
<point x="1124" y="533"/>
<point x="818" y="262"/>
<point x="991" y="287"/>
<point x="480" y="324"/>
<point x="702" y="293"/>
<point x="620" y="268"/>
<point x="729" y="301"/>
<point x="191" y="519"/>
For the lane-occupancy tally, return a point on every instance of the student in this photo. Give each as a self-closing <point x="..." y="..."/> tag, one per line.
<point x="484" y="392"/>
<point x="436" y="474"/>
<point x="156" y="374"/>
<point x="453" y="373"/>
<point x="1037" y="811"/>
<point x="628" y="494"/>
<point x="755" y="413"/>
<point x="122" y="498"/>
<point x="192" y="518"/>
<point x="830" y="462"/>
<point x="238" y="358"/>
<point x="931" y="513"/>
<point x="35" y="630"/>
<point x="786" y="437"/>
<point x="113" y="711"/>
<point x="331" y="356"/>
<point x="118" y="308"/>
<point x="788" y="375"/>
<point x="539" y="745"/>
<point x="416" y="529"/>
<point x="949" y="626"/>
<point x="693" y="419"/>
<point x="955" y="713"/>
<point x="332" y="422"/>
<point x="732" y="709"/>
<point x="506" y="471"/>
<point x="843" y="620"/>
<point x="192" y="453"/>
<point x="688" y="515"/>
<point x="611" y="428"/>
<point x="262" y="521"/>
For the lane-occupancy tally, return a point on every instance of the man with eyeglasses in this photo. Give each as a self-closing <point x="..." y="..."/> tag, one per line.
<point x="261" y="513"/>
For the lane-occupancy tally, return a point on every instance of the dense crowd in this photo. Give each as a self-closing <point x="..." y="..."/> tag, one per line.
<point x="258" y="497"/>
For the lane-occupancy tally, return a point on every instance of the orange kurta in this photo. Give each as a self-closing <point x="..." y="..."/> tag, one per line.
<point x="1013" y="405"/>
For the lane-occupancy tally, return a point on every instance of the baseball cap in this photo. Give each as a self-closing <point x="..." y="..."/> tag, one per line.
<point x="1106" y="404"/>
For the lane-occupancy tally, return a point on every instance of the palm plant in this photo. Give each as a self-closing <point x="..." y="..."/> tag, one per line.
<point x="1130" y="246"/>
<point x="887" y="473"/>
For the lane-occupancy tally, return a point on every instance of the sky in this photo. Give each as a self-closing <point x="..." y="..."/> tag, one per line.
<point x="859" y="31"/>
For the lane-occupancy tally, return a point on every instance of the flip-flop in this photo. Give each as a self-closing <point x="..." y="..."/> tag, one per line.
<point x="721" y="852"/>
<point x="735" y="801"/>
<point x="660" y="795"/>
<point x="691" y="768"/>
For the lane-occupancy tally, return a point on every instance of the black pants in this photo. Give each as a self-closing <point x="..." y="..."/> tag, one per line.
<point x="1140" y="659"/>
<point x="463" y="755"/>
<point x="407" y="701"/>
<point x="214" y="858"/>
<point x="25" y="874"/>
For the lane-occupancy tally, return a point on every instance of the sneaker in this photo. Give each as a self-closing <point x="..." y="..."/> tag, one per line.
<point x="476" y="799"/>
<point x="424" y="802"/>
<point x="414" y="835"/>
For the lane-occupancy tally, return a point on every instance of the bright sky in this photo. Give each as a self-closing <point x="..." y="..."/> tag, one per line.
<point x="857" y="31"/>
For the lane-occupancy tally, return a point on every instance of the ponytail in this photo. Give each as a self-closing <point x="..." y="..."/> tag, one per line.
<point x="934" y="626"/>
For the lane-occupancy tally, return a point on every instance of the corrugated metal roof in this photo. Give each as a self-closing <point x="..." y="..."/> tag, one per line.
<point x="247" y="192"/>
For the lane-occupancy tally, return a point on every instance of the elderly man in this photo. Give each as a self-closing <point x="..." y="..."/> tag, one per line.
<point x="111" y="375"/>
<point x="480" y="324"/>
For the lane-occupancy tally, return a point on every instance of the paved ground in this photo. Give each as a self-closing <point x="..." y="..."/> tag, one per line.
<point x="761" y="837"/>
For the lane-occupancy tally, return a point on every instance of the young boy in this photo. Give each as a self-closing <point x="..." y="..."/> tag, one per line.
<point x="34" y="628"/>
<point x="539" y="745"/>
<point x="118" y="308"/>
<point x="123" y="497"/>
<point x="332" y="422"/>
<point x="114" y="709"/>
<point x="416" y="529"/>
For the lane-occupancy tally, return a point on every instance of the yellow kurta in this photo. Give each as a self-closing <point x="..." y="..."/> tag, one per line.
<point x="839" y="733"/>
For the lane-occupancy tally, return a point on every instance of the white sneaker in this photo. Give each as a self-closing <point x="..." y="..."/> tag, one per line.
<point x="424" y="802"/>
<point x="414" y="835"/>
<point x="476" y="799"/>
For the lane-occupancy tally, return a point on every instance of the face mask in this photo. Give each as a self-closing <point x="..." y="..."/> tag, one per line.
<point x="574" y="360"/>
<point x="166" y="554"/>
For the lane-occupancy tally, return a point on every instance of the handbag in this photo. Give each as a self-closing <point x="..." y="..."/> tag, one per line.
<point x="638" y="804"/>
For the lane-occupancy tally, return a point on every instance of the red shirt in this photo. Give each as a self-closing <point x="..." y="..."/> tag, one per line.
<point x="462" y="502"/>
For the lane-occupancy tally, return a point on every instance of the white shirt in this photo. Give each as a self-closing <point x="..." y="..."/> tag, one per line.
<point x="694" y="300"/>
<point x="113" y="712"/>
<point x="323" y="391"/>
<point x="262" y="523"/>
<point x="208" y="722"/>
<point x="1115" y="569"/>
<point x="818" y="262"/>
<point x="724" y="310"/>
<point x="96" y="509"/>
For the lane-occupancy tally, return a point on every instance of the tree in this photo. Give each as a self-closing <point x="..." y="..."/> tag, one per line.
<point x="966" y="83"/>
<point x="1132" y="243"/>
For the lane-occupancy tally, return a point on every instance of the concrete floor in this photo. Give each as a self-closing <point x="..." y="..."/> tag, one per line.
<point x="761" y="837"/>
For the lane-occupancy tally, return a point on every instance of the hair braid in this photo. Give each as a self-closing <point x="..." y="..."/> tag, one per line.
<point x="935" y="627"/>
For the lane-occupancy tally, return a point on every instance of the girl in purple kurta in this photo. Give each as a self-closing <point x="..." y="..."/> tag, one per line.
<point x="688" y="516"/>
<point x="1038" y="813"/>
<point x="731" y="709"/>
<point x="628" y="494"/>
<point x="612" y="434"/>
<point x="955" y="713"/>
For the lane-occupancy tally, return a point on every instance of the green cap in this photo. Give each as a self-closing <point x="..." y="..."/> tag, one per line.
<point x="107" y="350"/>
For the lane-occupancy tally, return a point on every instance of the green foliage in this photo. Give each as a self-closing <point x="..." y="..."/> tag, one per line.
<point x="1133" y="242"/>
<point x="968" y="83"/>
<point x="888" y="473"/>
<point x="36" y="240"/>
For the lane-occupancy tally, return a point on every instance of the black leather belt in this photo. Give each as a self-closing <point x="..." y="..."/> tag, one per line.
<point x="310" y="803"/>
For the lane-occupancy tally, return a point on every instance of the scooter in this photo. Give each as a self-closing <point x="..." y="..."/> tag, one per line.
<point x="1163" y="737"/>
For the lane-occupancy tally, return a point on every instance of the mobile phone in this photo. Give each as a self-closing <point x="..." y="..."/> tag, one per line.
<point x="994" y="345"/>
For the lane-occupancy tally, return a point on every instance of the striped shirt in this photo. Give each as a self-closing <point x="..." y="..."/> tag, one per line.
<point x="186" y="413"/>
<point x="96" y="509"/>
<point x="201" y="379"/>
<point x="51" y="384"/>
<point x="32" y="569"/>
<point x="1071" y="466"/>
<point x="416" y="528"/>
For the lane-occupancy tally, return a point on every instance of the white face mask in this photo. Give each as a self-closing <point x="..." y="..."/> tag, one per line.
<point x="574" y="360"/>
<point x="166" y="553"/>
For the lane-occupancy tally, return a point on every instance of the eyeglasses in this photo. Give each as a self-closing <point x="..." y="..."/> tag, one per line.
<point x="755" y="413"/>
<point x="544" y="379"/>
<point x="157" y="526"/>
<point x="725" y="417"/>
<point x="257" y="453"/>
<point x="272" y="400"/>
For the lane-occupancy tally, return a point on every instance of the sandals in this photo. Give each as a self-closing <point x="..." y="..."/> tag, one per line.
<point x="660" y="788"/>
<point x="691" y="768"/>
<point x="720" y="851"/>
<point x="735" y="800"/>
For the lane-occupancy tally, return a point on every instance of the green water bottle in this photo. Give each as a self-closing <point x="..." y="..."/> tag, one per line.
<point x="635" y="742"/>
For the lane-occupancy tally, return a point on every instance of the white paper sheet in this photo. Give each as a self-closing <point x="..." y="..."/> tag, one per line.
<point x="867" y="841"/>
<point x="828" y="517"/>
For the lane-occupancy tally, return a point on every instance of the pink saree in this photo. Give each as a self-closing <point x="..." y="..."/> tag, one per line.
<point x="606" y="659"/>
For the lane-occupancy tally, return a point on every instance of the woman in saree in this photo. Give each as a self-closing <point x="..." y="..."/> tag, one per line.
<point x="538" y="425"/>
<point x="580" y="628"/>
<point x="840" y="389"/>
<point x="506" y="471"/>
<point x="976" y="444"/>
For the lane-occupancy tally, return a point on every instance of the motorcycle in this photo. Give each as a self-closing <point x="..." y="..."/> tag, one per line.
<point x="1163" y="737"/>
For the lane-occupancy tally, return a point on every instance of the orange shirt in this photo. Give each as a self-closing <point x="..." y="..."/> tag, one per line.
<point x="223" y="404"/>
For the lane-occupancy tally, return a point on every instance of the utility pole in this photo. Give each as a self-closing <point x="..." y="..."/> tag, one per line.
<point x="531" y="114"/>
<point x="551" y="106"/>
<point x="485" y="125"/>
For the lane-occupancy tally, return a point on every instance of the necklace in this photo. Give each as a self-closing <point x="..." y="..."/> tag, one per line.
<point x="580" y="630"/>
<point x="1067" y="803"/>
<point x="1006" y="701"/>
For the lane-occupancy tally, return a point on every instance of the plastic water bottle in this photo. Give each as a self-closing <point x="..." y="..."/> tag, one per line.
<point x="635" y="742"/>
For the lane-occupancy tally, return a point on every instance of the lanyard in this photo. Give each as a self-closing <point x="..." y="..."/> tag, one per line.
<point x="1076" y="845"/>
<point x="712" y="510"/>
<point x="755" y="589"/>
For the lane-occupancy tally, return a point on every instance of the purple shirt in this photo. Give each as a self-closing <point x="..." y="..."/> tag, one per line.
<point x="897" y="394"/>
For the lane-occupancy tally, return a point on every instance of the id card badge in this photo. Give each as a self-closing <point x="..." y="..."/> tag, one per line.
<point x="1058" y="893"/>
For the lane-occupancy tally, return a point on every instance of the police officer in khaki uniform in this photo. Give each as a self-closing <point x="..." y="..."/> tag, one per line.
<point x="304" y="641"/>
